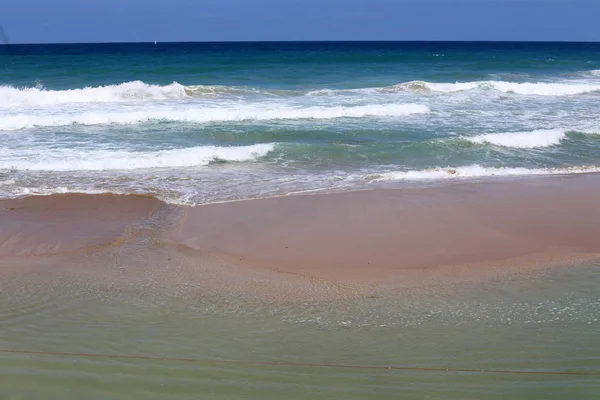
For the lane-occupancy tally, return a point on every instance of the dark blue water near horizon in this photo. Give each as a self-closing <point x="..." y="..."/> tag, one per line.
<point x="220" y="61"/>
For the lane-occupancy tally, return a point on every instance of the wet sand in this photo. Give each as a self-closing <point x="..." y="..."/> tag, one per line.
<point x="43" y="225"/>
<point x="384" y="237"/>
<point x="394" y="233"/>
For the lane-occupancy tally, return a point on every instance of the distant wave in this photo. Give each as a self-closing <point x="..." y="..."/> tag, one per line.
<point x="137" y="90"/>
<point x="201" y="90"/>
<point x="526" y="88"/>
<point x="331" y="92"/>
<point x="11" y="96"/>
<point x="477" y="171"/>
<point x="264" y="112"/>
<point x="101" y="160"/>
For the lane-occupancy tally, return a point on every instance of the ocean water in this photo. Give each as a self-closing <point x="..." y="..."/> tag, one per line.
<point x="200" y="122"/>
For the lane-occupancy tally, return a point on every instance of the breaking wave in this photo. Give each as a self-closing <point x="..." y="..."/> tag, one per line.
<point x="11" y="96"/>
<point x="526" y="88"/>
<point x="101" y="160"/>
<point x="522" y="140"/>
<point x="136" y="90"/>
<point x="265" y="112"/>
<point x="528" y="140"/>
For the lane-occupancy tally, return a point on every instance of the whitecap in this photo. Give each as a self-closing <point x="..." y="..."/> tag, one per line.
<point x="257" y="112"/>
<point x="523" y="140"/>
<point x="137" y="90"/>
<point x="525" y="88"/>
<point x="102" y="160"/>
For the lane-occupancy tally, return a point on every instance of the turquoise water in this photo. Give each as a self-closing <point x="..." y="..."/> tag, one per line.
<point x="204" y="122"/>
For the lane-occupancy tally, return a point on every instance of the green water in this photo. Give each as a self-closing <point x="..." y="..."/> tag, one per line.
<point x="542" y="322"/>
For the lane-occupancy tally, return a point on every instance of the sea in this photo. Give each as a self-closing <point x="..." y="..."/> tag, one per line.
<point x="193" y="123"/>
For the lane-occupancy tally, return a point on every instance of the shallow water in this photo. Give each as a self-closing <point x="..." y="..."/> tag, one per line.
<point x="540" y="322"/>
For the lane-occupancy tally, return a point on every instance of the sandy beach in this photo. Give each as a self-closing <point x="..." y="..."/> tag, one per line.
<point x="44" y="225"/>
<point x="367" y="239"/>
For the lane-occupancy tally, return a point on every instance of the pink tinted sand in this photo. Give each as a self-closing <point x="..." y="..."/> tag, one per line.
<point x="386" y="236"/>
<point x="41" y="225"/>
<point x="373" y="234"/>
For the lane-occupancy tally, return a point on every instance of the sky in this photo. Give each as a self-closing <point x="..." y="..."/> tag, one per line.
<point x="75" y="21"/>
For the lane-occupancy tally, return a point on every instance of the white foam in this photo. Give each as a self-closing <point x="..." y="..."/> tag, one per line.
<point x="128" y="91"/>
<point x="546" y="89"/>
<point x="566" y="88"/>
<point x="50" y="190"/>
<point x="526" y="88"/>
<point x="257" y="112"/>
<point x="523" y="140"/>
<point x="322" y="92"/>
<point x="477" y="171"/>
<point x="100" y="160"/>
<point x="435" y="87"/>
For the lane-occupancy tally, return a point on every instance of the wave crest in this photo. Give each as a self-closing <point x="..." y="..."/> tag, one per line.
<point x="128" y="91"/>
<point x="102" y="160"/>
<point x="525" y="88"/>
<point x="203" y="90"/>
<point x="522" y="140"/>
<point x="136" y="90"/>
<point x="266" y="112"/>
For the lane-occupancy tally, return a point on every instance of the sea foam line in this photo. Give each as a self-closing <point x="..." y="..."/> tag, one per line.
<point x="49" y="191"/>
<point x="102" y="160"/>
<point x="263" y="112"/>
<point x="524" y="88"/>
<point x="477" y="171"/>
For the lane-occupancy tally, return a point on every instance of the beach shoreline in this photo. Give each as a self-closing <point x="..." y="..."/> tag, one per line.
<point x="364" y="241"/>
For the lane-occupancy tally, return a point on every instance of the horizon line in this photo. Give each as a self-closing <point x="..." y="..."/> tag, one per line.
<point x="301" y="41"/>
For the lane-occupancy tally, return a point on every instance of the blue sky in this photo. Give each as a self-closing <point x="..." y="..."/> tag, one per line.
<point x="41" y="21"/>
